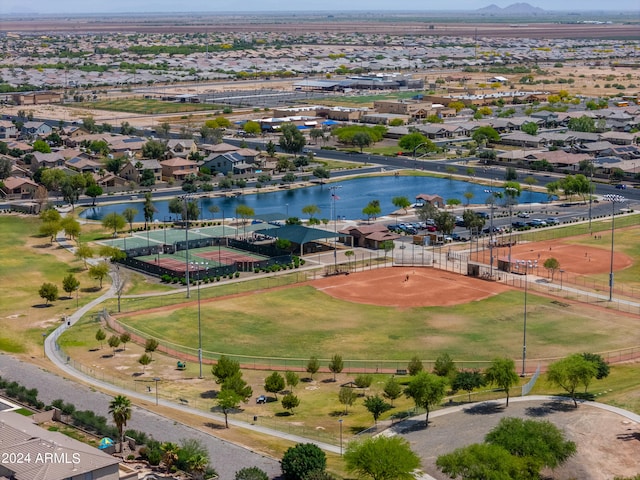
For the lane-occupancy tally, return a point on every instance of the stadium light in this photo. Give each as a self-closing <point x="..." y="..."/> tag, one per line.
<point x="613" y="198"/>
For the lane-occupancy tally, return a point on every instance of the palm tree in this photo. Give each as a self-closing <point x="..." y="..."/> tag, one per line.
<point x="120" y="409"/>
<point x="198" y="465"/>
<point x="169" y="454"/>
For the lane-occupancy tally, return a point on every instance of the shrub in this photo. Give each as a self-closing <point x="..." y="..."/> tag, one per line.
<point x="297" y="462"/>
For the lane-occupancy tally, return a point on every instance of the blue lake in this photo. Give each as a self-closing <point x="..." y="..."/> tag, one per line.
<point x="353" y="195"/>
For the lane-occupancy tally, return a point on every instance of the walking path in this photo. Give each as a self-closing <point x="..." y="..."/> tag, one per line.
<point x="226" y="457"/>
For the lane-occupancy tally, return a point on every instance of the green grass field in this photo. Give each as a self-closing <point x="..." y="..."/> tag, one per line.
<point x="26" y="262"/>
<point x="300" y="322"/>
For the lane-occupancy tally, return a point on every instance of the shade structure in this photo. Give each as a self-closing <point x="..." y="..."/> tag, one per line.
<point x="105" y="443"/>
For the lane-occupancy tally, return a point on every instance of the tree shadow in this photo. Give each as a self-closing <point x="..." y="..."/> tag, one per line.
<point x="43" y="245"/>
<point x="337" y="413"/>
<point x="209" y="394"/>
<point x="77" y="269"/>
<point x="215" y="426"/>
<point x="42" y="305"/>
<point x="328" y="380"/>
<point x="484" y="408"/>
<point x="306" y="379"/>
<point x="94" y="349"/>
<point x="108" y="355"/>
<point x="90" y="289"/>
<point x="137" y="374"/>
<point x="284" y="414"/>
<point x="357" y="429"/>
<point x="549" y="408"/>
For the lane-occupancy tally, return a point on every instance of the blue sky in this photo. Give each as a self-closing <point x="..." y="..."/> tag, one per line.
<point x="123" y="6"/>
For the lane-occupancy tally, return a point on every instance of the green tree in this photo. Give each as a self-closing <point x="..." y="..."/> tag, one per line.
<point x="169" y="454"/>
<point x="346" y="396"/>
<point x="252" y="127"/>
<point x="274" y="383"/>
<point x="468" y="196"/>
<point x="153" y="149"/>
<point x="120" y="410"/>
<point x="113" y="165"/>
<point x="89" y="124"/>
<point x="302" y="459"/>
<point x="228" y="400"/>
<point x="114" y="342"/>
<point x="336" y="365"/>
<point x="99" y="272"/>
<point x="468" y="381"/>
<point x="144" y="360"/>
<point x="49" y="292"/>
<point x="271" y="148"/>
<point x="236" y="383"/>
<point x="315" y="134"/>
<point x="321" y="173"/>
<point x="313" y="365"/>
<point x="84" y="252"/>
<point x="602" y="368"/>
<point x="530" y="127"/>
<point x="125" y="337"/>
<point x="290" y="401"/>
<point x="552" y="264"/>
<point x="49" y="229"/>
<point x="381" y="458"/>
<point x="484" y="461"/>
<point x="292" y="140"/>
<point x="93" y="191"/>
<point x="414" y="141"/>
<point x="70" y="284"/>
<point x="582" y="124"/>
<point x="361" y="140"/>
<point x="539" y="440"/>
<point x="151" y="345"/>
<point x="363" y="380"/>
<point x="251" y="473"/>
<point x="570" y="372"/>
<point x="71" y="227"/>
<point x="292" y="379"/>
<point x="376" y="406"/>
<point x="502" y="372"/>
<point x="445" y="222"/>
<point x="126" y="128"/>
<point x="41" y="146"/>
<point x="225" y="368"/>
<point x="311" y="210"/>
<point x="444" y="366"/>
<point x="129" y="215"/>
<point x="401" y="202"/>
<point x="426" y="390"/>
<point x="484" y="135"/>
<point x="415" y="365"/>
<point x="510" y="174"/>
<point x="101" y="336"/>
<point x="113" y="221"/>
<point x="372" y="210"/>
<point x="392" y="389"/>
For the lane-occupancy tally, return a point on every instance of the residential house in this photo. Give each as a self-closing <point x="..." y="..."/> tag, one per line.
<point x="64" y="458"/>
<point x="369" y="236"/>
<point x="178" y="168"/>
<point x="181" y="147"/>
<point x="559" y="159"/>
<point x="7" y="130"/>
<point x="619" y="138"/>
<point x="218" y="148"/>
<point x="36" y="98"/>
<point x="133" y="169"/>
<point x="593" y="148"/>
<point x="46" y="160"/>
<point x="224" y="163"/>
<point x="82" y="164"/>
<point x="19" y="188"/>
<point x="36" y="129"/>
<point x="109" y="180"/>
<point x="522" y="139"/>
<point x="126" y="146"/>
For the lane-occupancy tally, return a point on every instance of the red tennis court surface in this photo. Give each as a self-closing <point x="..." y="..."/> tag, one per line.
<point x="408" y="287"/>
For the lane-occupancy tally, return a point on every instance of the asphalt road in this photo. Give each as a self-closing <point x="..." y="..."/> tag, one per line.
<point x="225" y="457"/>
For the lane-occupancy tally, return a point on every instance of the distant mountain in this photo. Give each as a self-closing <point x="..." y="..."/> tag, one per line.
<point x="513" y="9"/>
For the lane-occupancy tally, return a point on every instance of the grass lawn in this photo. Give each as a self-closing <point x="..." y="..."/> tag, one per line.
<point x="281" y="324"/>
<point x="26" y="262"/>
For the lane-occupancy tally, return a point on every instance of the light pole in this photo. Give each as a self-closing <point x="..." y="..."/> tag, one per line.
<point x="340" y="422"/>
<point x="512" y="193"/>
<point x="44" y="350"/>
<point x="492" y="201"/>
<point x="613" y="198"/>
<point x="561" y="272"/>
<point x="524" y="328"/>
<point x="198" y="265"/>
<point x="185" y="218"/>
<point x="415" y="149"/>
<point x="335" y="197"/>
<point x="156" y="379"/>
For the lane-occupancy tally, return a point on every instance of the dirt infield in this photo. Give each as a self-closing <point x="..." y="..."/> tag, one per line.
<point x="579" y="259"/>
<point x="408" y="287"/>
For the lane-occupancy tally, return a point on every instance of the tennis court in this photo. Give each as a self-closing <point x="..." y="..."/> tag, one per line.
<point x="201" y="259"/>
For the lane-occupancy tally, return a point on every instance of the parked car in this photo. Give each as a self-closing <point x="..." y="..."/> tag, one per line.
<point x="431" y="228"/>
<point x="523" y="215"/>
<point x="518" y="224"/>
<point x="621" y="186"/>
<point x="456" y="237"/>
<point x="552" y="221"/>
<point x="537" y="222"/>
<point x="261" y="399"/>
